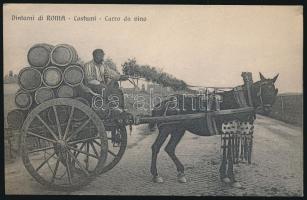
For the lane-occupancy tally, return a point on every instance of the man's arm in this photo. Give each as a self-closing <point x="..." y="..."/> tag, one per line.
<point x="111" y="74"/>
<point x="114" y="74"/>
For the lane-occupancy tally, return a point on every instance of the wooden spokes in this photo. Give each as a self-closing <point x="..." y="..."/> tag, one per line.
<point x="63" y="154"/>
<point x="117" y="143"/>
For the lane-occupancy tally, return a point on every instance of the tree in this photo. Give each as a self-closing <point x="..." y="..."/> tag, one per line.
<point x="153" y="74"/>
<point x="110" y="63"/>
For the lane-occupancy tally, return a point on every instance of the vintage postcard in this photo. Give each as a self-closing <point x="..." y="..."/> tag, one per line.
<point x="184" y="100"/>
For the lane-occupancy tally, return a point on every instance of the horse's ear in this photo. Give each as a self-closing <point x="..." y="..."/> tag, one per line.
<point x="274" y="79"/>
<point x="261" y="76"/>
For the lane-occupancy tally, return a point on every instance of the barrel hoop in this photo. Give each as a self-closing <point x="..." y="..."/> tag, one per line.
<point x="61" y="88"/>
<point x="34" y="69"/>
<point x="70" y="49"/>
<point x="67" y="70"/>
<point x="42" y="88"/>
<point x="48" y="48"/>
<point x="30" y="99"/>
<point x="57" y="69"/>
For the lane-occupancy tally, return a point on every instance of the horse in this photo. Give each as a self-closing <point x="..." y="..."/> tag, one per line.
<point x="263" y="94"/>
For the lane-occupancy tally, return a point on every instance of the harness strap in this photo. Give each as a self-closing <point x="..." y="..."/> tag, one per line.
<point x="259" y="94"/>
<point x="211" y="124"/>
<point x="248" y="81"/>
<point x="239" y="96"/>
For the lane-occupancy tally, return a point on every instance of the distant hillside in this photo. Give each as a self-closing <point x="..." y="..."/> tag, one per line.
<point x="288" y="107"/>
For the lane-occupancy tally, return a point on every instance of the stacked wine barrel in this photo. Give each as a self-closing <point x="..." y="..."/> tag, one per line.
<point x="53" y="72"/>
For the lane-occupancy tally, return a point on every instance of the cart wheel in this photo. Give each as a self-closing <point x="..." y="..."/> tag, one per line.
<point x="117" y="143"/>
<point x="59" y="153"/>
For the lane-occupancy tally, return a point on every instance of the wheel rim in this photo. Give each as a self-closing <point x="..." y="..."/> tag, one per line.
<point x="62" y="153"/>
<point x="116" y="148"/>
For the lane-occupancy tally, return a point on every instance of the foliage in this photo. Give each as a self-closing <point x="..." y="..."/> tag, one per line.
<point x="109" y="62"/>
<point x="152" y="74"/>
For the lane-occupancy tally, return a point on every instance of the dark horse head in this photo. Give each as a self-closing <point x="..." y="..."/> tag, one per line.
<point x="264" y="93"/>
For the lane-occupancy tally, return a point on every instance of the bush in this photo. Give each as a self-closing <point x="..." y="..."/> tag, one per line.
<point x="150" y="73"/>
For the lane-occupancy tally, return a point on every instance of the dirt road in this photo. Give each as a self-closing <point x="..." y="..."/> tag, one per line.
<point x="276" y="169"/>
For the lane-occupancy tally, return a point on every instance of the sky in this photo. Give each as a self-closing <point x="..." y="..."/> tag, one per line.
<point x="202" y="45"/>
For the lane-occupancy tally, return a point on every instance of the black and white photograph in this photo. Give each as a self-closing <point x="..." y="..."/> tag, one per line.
<point x="162" y="100"/>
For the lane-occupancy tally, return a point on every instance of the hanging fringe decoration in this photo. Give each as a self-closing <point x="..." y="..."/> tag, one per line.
<point x="237" y="141"/>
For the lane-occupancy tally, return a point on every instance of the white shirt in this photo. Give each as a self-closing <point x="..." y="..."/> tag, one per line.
<point x="99" y="73"/>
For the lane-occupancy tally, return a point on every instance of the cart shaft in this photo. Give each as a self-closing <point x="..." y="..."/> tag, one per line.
<point x="182" y="117"/>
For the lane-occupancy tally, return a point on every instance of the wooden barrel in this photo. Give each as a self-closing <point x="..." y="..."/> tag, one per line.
<point x="43" y="94"/>
<point x="63" y="55"/>
<point x="15" y="118"/>
<point x="29" y="79"/>
<point x="65" y="91"/>
<point x="39" y="55"/>
<point x="78" y="115"/>
<point x="52" y="76"/>
<point x="23" y="100"/>
<point x="73" y="75"/>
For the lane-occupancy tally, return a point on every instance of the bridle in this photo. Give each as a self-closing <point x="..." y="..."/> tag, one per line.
<point x="259" y="94"/>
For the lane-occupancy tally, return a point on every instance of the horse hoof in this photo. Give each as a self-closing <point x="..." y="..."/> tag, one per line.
<point x="181" y="178"/>
<point x="226" y="180"/>
<point x="157" y="179"/>
<point x="236" y="185"/>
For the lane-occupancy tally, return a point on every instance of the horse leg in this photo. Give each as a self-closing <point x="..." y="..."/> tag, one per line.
<point x="230" y="158"/>
<point x="230" y="174"/>
<point x="163" y="133"/>
<point x="170" y="150"/>
<point x="151" y="127"/>
<point x="223" y="174"/>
